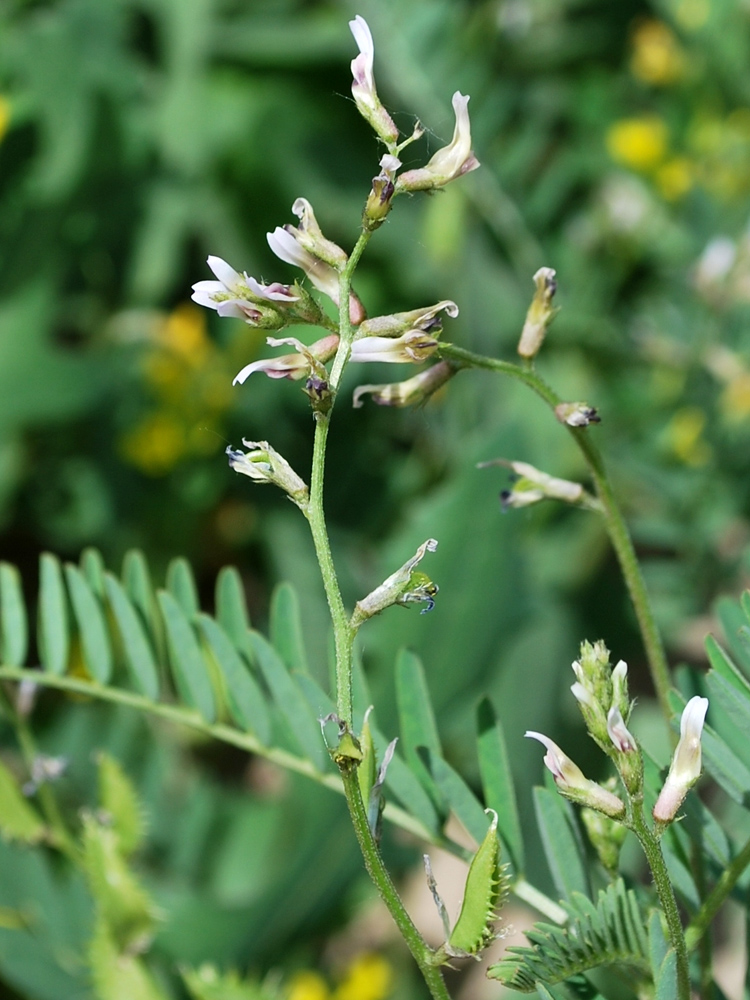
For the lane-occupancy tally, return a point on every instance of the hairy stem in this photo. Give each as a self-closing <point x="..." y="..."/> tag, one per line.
<point x="665" y="892"/>
<point x="379" y="874"/>
<point x="616" y="527"/>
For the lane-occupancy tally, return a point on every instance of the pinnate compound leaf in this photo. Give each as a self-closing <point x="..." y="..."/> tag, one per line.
<point x="724" y="665"/>
<point x="18" y="819"/>
<point x="93" y="568"/>
<point x="14" y="626"/>
<point x="561" y="843"/>
<point x="139" y="657"/>
<point x="245" y="699"/>
<point x="92" y="627"/>
<point x="497" y="781"/>
<point x="136" y="581"/>
<point x="231" y="607"/>
<point x="54" y="637"/>
<point x="606" y="933"/>
<point x="285" y="628"/>
<point x="290" y="701"/>
<point x="189" y="668"/>
<point x="181" y="585"/>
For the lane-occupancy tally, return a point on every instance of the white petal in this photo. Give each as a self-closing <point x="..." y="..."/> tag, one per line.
<point x="227" y="275"/>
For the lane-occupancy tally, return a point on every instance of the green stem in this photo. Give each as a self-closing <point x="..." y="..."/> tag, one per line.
<point x="615" y="522"/>
<point x="377" y="871"/>
<point x="727" y="881"/>
<point x="665" y="892"/>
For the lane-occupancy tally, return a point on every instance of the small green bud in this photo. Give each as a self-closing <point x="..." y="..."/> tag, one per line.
<point x="606" y="835"/>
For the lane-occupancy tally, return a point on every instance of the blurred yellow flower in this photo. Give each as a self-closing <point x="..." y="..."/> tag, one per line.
<point x="735" y="399"/>
<point x="684" y="434"/>
<point x="639" y="143"/>
<point x="4" y="116"/>
<point x="675" y="177"/>
<point x="657" y="57"/>
<point x="369" y="977"/>
<point x="184" y="332"/>
<point x="308" y="985"/>
<point x="155" y="445"/>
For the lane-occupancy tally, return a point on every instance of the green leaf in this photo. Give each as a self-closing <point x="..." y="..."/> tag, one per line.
<point x="181" y="585"/>
<point x="139" y="657"/>
<point x="189" y="669"/>
<point x="14" y="627"/>
<point x="460" y="798"/>
<point x="118" y="799"/>
<point x="561" y="843"/>
<point x="417" y="721"/>
<point x="54" y="638"/>
<point x="93" y="568"/>
<point x="657" y="942"/>
<point x="735" y="703"/>
<point x="290" y="701"/>
<point x="725" y="767"/>
<point x="92" y="627"/>
<point x="136" y="581"/>
<point x="497" y="781"/>
<point x="285" y="628"/>
<point x="207" y="983"/>
<point x="244" y="696"/>
<point x="666" y="980"/>
<point x="724" y="665"/>
<point x="18" y="819"/>
<point x="231" y="607"/>
<point x="732" y="621"/>
<point x="115" y="973"/>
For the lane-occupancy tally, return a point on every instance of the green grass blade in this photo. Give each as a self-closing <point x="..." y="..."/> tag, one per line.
<point x="14" y="624"/>
<point x="245" y="699"/>
<point x="497" y="782"/>
<point x="139" y="657"/>
<point x="92" y="626"/>
<point x="189" y="668"/>
<point x="290" y="701"/>
<point x="181" y="585"/>
<point x="560" y="842"/>
<point x="285" y="628"/>
<point x="53" y="631"/>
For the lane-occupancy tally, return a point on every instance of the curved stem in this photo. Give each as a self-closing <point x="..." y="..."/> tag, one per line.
<point x="377" y="871"/>
<point x="616" y="527"/>
<point x="665" y="892"/>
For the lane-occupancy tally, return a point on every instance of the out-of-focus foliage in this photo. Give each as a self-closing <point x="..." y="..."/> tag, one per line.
<point x="140" y="135"/>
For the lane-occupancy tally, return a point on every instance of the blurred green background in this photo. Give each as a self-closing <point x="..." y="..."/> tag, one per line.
<point x="138" y="136"/>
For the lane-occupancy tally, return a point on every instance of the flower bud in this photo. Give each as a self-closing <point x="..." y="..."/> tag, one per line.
<point x="407" y="585"/>
<point x="450" y="162"/>
<point x="412" y="346"/>
<point x="606" y="835"/>
<point x="574" y="784"/>
<point x="380" y="199"/>
<point x="533" y="485"/>
<point x="363" y="84"/>
<point x="540" y="313"/>
<point x="686" y="762"/>
<point x="410" y="392"/>
<point x="265" y="465"/>
<point x="427" y="319"/>
<point x="576" y="414"/>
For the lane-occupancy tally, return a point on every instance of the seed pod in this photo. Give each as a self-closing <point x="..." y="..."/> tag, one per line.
<point x="486" y="888"/>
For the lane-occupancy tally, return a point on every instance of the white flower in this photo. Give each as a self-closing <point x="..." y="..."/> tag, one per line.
<point x="291" y="366"/>
<point x="363" y="84"/>
<point x="287" y="248"/>
<point x="412" y="346"/>
<point x="618" y="731"/>
<point x="686" y="762"/>
<point x="573" y="783"/>
<point x="448" y="163"/>
<point x="239" y="295"/>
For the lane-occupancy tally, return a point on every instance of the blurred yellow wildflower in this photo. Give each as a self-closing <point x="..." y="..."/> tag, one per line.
<point x="368" y="977"/>
<point x="675" y="177"/>
<point x="657" y="57"/>
<point x="735" y="399"/>
<point x="684" y="434"/>
<point x="4" y="116"/>
<point x="155" y="445"/>
<point x="308" y="985"/>
<point x="184" y="332"/>
<point x="639" y="143"/>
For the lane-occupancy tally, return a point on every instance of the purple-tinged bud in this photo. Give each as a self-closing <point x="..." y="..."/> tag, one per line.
<point x="623" y="740"/>
<point x="309" y="235"/>
<point x="265" y="465"/>
<point x="410" y="392"/>
<point x="686" y="762"/>
<point x="450" y="162"/>
<point x="427" y="319"/>
<point x="406" y="586"/>
<point x="540" y="314"/>
<point x="574" y="784"/>
<point x="577" y="414"/>
<point x="380" y="199"/>
<point x="363" y="84"/>
<point x="532" y="485"/>
<point x="292" y="366"/>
